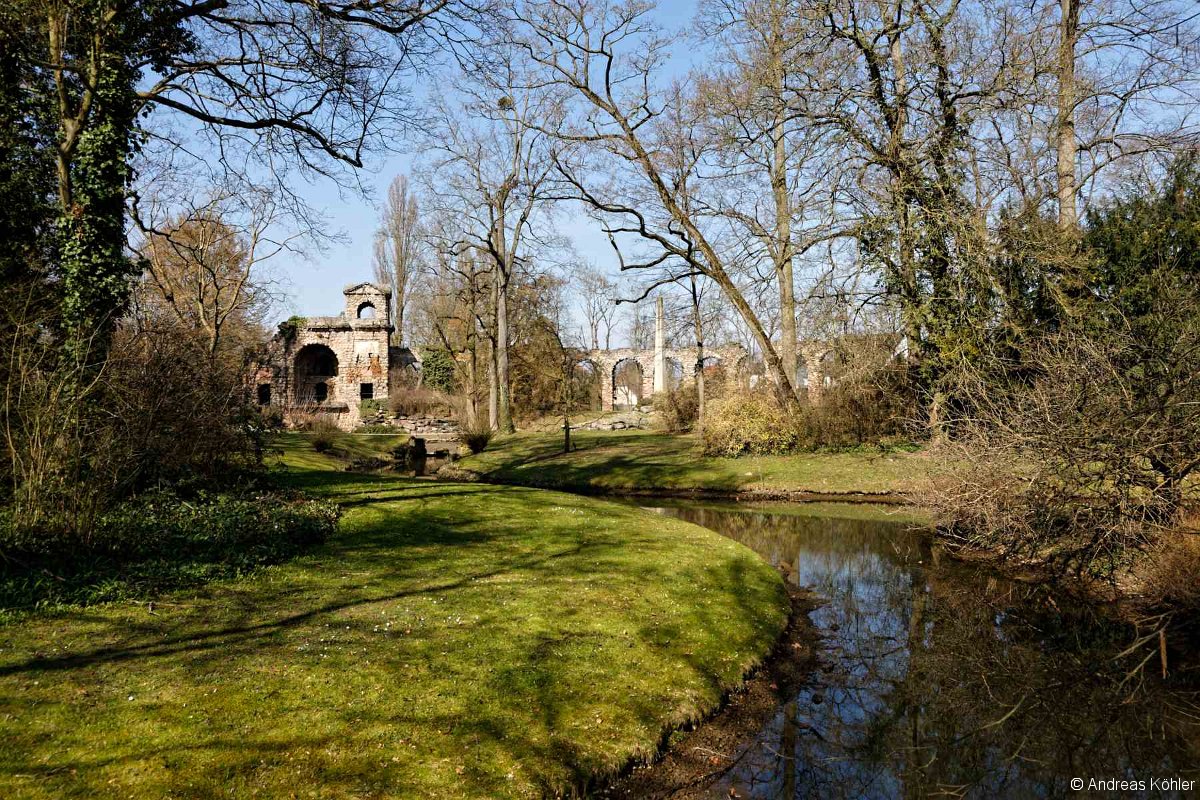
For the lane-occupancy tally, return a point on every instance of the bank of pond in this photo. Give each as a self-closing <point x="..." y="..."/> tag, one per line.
<point x="936" y="677"/>
<point x="471" y="640"/>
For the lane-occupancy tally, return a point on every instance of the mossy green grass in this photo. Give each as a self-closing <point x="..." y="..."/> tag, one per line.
<point x="625" y="461"/>
<point x="451" y="641"/>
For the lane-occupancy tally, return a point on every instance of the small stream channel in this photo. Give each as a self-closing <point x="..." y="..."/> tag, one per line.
<point x="941" y="679"/>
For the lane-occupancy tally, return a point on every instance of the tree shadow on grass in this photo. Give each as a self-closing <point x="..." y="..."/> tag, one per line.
<point x="228" y="637"/>
<point x="477" y="558"/>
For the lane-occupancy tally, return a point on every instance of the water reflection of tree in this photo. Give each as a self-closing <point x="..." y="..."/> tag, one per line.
<point x="945" y="680"/>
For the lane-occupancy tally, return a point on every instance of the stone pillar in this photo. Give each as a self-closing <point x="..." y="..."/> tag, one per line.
<point x="689" y="365"/>
<point x="814" y="364"/>
<point x="660" y="348"/>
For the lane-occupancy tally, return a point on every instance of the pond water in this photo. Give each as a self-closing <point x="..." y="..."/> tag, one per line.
<point x="941" y="679"/>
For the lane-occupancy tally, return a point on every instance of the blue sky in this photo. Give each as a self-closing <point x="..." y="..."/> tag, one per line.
<point x="312" y="284"/>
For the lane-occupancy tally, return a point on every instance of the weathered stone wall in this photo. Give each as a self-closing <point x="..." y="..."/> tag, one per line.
<point x="308" y="381"/>
<point x="606" y="363"/>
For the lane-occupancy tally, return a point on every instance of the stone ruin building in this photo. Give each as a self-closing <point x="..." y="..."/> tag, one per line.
<point x="330" y="365"/>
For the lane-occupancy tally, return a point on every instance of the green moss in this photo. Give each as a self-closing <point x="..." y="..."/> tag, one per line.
<point x="451" y="641"/>
<point x="289" y="329"/>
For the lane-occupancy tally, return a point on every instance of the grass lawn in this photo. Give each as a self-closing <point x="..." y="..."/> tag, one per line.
<point x="347" y="445"/>
<point x="639" y="460"/>
<point x="452" y="641"/>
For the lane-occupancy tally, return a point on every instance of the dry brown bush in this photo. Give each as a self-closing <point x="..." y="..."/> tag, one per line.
<point x="1172" y="574"/>
<point x="679" y="407"/>
<point x="872" y="398"/>
<point x="422" y="402"/>
<point x="160" y="409"/>
<point x="748" y="422"/>
<point x="1078" y="457"/>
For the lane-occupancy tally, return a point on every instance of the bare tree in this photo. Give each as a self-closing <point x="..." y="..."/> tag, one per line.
<point x="399" y="247"/>
<point x="204" y="265"/>
<point x="609" y="59"/>
<point x="451" y="306"/>
<point x="775" y="176"/>
<point x="493" y="166"/>
<point x="1125" y="82"/>
<point x="260" y="87"/>
<point x="598" y="294"/>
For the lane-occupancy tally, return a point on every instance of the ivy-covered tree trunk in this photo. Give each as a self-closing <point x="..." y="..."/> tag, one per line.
<point x="96" y="273"/>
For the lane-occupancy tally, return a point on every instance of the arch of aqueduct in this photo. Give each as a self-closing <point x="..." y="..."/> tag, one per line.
<point x="656" y="365"/>
<point x="655" y="376"/>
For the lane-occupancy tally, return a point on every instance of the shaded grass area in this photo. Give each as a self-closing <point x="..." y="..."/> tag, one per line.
<point x="451" y="641"/>
<point x="346" y="446"/>
<point x="644" y="461"/>
<point x="158" y="542"/>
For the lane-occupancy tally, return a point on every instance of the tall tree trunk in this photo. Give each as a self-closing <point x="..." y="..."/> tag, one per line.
<point x="96" y="141"/>
<point x="699" y="329"/>
<point x="399" y="318"/>
<point x="473" y="371"/>
<point x="782" y="246"/>
<point x="1068" y="146"/>
<point x="504" y="422"/>
<point x="494" y="371"/>
<point x="716" y="271"/>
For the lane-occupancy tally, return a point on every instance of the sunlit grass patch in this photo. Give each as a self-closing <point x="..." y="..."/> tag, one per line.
<point x="640" y="460"/>
<point x="452" y="641"/>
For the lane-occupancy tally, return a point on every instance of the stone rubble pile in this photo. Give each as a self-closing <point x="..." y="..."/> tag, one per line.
<point x="426" y="426"/>
<point x="631" y="419"/>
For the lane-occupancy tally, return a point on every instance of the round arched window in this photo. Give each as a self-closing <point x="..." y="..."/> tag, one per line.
<point x="366" y="311"/>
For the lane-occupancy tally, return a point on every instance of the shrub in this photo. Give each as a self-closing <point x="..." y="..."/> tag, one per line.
<point x="1171" y="581"/>
<point x="871" y="400"/>
<point x="476" y="435"/>
<point x="1083" y="457"/>
<point x="422" y="402"/>
<point x="324" y="433"/>
<point x="679" y="408"/>
<point x="437" y="370"/>
<point x="369" y="409"/>
<point x="162" y="409"/>
<point x="748" y="423"/>
<point x="159" y="541"/>
<point x="289" y="329"/>
<point x="270" y="418"/>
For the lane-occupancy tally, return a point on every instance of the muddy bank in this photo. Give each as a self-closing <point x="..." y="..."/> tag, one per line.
<point x="693" y="760"/>
<point x="1124" y="597"/>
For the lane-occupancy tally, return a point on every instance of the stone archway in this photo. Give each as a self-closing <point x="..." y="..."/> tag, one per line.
<point x="315" y="367"/>
<point x="588" y="385"/>
<point x="628" y="383"/>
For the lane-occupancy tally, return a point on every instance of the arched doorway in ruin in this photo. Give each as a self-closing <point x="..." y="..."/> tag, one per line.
<point x="627" y="379"/>
<point x="315" y="368"/>
<point x="586" y="388"/>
